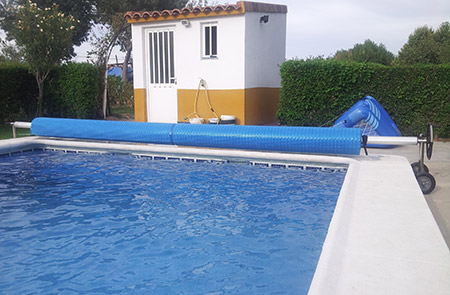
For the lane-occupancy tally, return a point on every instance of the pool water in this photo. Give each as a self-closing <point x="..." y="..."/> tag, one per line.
<point x="105" y="224"/>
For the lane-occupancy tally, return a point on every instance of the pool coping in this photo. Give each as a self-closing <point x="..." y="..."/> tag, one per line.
<point x="382" y="237"/>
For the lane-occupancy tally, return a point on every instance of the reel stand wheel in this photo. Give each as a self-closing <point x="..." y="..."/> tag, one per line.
<point x="429" y="143"/>
<point x="416" y="168"/>
<point x="426" y="182"/>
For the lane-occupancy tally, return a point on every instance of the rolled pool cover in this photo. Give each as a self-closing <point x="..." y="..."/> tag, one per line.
<point x="321" y="140"/>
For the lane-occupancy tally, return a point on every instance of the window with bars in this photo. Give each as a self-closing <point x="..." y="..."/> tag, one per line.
<point x="209" y="40"/>
<point x="161" y="57"/>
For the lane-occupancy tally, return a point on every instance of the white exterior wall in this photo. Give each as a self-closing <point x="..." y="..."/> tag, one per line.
<point x="224" y="72"/>
<point x="249" y="54"/>
<point x="265" y="49"/>
<point x="137" y="36"/>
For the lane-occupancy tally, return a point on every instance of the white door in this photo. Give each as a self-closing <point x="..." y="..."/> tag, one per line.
<point x="162" y="103"/>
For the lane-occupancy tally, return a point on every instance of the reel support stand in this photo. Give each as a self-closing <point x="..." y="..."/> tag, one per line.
<point x="426" y="181"/>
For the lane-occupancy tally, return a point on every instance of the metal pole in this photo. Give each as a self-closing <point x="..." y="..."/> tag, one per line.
<point x="14" y="125"/>
<point x="25" y="125"/>
<point x="392" y="140"/>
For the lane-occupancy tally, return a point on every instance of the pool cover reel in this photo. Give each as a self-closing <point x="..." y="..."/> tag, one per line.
<point x="267" y="138"/>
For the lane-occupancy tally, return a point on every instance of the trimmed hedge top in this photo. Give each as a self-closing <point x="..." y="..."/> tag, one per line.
<point x="317" y="92"/>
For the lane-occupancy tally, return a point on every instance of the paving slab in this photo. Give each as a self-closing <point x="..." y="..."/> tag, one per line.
<point x="439" y="166"/>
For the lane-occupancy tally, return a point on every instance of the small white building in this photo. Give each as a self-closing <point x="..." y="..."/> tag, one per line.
<point x="237" y="49"/>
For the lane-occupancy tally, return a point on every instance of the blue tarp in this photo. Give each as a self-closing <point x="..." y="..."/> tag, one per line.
<point x="371" y="117"/>
<point x="373" y="120"/>
<point x="117" y="71"/>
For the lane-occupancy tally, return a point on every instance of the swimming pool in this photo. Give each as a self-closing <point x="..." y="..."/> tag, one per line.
<point x="117" y="223"/>
<point x="382" y="238"/>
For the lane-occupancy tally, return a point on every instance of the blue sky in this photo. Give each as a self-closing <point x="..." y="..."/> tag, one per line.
<point x="321" y="27"/>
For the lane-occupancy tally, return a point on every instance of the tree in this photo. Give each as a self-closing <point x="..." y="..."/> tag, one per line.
<point x="420" y="48"/>
<point x="427" y="46"/>
<point x="45" y="38"/>
<point x="442" y="38"/>
<point x="111" y="15"/>
<point x="344" y="54"/>
<point x="369" y="51"/>
<point x="6" y="16"/>
<point x="200" y="3"/>
<point x="82" y="10"/>
<point x="9" y="52"/>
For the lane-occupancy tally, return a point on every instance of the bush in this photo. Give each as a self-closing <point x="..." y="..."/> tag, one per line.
<point x="18" y="93"/>
<point x="369" y="51"/>
<point x="317" y="92"/>
<point x="120" y="93"/>
<point x="72" y="92"/>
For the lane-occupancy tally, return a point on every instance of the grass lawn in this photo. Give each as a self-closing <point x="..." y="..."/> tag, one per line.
<point x="6" y="132"/>
<point x="122" y="110"/>
<point x="121" y="113"/>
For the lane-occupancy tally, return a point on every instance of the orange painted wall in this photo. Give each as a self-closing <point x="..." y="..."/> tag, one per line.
<point x="261" y="105"/>
<point x="254" y="106"/>
<point x="224" y="102"/>
<point x="140" y="105"/>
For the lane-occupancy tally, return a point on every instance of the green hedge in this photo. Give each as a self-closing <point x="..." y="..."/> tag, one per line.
<point x="72" y="92"/>
<point x="18" y="93"/>
<point x="317" y="92"/>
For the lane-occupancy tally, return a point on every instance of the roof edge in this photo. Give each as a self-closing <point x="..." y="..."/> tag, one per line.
<point x="263" y="7"/>
<point x="240" y="7"/>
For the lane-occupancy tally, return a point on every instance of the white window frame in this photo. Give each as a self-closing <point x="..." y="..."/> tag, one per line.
<point x="209" y="46"/>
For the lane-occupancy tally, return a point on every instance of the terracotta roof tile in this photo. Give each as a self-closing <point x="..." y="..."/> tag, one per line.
<point x="241" y="6"/>
<point x="137" y="15"/>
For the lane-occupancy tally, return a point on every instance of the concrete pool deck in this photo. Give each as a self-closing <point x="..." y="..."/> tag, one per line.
<point x="439" y="165"/>
<point x="383" y="238"/>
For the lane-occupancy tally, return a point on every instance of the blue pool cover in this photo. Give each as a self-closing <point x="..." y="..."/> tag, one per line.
<point x="267" y="138"/>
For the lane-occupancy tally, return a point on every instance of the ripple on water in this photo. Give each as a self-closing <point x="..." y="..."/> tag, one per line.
<point x="81" y="223"/>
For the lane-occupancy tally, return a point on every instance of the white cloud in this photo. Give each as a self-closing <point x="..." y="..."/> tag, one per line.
<point x="322" y="27"/>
